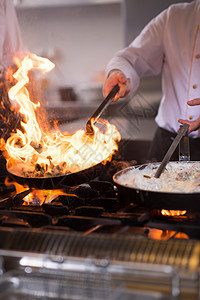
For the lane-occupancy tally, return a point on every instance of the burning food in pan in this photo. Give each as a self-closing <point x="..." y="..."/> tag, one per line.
<point x="35" y="152"/>
<point x="178" y="177"/>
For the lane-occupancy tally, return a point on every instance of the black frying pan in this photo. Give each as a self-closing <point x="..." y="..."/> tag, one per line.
<point x="156" y="199"/>
<point x="71" y="179"/>
<point x="57" y="182"/>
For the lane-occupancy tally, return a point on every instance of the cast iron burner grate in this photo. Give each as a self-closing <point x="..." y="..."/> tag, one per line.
<point x="94" y="207"/>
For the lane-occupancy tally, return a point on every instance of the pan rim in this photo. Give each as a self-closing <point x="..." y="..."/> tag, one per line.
<point x="51" y="177"/>
<point x="57" y="182"/>
<point x="139" y="190"/>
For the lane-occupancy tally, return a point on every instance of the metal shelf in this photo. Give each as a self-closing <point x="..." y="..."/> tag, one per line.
<point x="54" y="3"/>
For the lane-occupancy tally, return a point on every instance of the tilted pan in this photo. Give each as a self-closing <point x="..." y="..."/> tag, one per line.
<point x="56" y="182"/>
<point x="151" y="198"/>
<point x="70" y="179"/>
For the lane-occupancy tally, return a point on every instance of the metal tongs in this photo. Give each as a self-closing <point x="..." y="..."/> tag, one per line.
<point x="182" y="131"/>
<point x="100" y="109"/>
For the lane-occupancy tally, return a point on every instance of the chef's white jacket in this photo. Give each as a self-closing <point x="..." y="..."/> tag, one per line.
<point x="169" y="44"/>
<point x="10" y="38"/>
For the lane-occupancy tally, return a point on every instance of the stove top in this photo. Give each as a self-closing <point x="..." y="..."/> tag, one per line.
<point x="90" y="243"/>
<point x="95" y="207"/>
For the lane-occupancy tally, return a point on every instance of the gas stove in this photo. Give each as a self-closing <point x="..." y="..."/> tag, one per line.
<point x="94" y="207"/>
<point x="89" y="243"/>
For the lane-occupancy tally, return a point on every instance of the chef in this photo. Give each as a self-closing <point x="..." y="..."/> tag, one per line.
<point x="169" y="44"/>
<point x="10" y="37"/>
<point x="10" y="45"/>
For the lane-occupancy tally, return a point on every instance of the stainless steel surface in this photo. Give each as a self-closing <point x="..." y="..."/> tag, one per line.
<point x="54" y="3"/>
<point x="71" y="266"/>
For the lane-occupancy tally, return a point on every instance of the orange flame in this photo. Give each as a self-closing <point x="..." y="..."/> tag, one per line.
<point x="173" y="213"/>
<point x="158" y="234"/>
<point x="54" y="151"/>
<point x="38" y="197"/>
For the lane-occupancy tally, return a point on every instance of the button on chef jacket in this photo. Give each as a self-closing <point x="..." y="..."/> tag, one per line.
<point x="10" y="38"/>
<point x="169" y="44"/>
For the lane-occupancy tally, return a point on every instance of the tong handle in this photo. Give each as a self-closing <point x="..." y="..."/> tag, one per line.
<point x="182" y="131"/>
<point x="184" y="148"/>
<point x="101" y="108"/>
<point x="105" y="103"/>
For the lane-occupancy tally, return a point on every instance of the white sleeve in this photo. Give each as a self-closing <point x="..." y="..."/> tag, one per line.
<point x="145" y="55"/>
<point x="10" y="41"/>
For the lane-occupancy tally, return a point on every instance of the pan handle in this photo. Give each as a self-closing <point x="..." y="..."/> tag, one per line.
<point x="184" y="148"/>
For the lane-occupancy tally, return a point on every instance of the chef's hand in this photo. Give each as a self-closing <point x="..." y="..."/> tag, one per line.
<point x="117" y="77"/>
<point x="194" y="125"/>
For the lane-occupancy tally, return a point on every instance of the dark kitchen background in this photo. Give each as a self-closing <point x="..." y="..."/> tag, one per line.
<point x="80" y="37"/>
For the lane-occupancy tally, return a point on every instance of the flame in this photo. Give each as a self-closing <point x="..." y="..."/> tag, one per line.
<point x="38" y="197"/>
<point x="35" y="196"/>
<point x="36" y="151"/>
<point x="173" y="213"/>
<point x="158" y="234"/>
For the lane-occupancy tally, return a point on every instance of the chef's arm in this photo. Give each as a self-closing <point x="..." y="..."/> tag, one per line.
<point x="143" y="57"/>
<point x="194" y="125"/>
<point x="10" y="35"/>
